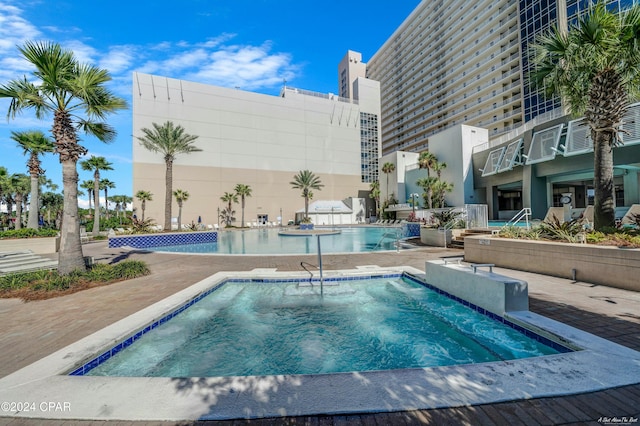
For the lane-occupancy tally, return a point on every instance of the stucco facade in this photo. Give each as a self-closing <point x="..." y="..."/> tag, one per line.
<point x="248" y="138"/>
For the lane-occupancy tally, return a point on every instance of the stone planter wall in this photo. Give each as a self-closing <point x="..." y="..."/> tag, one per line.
<point x="44" y="245"/>
<point x="434" y="237"/>
<point x="611" y="266"/>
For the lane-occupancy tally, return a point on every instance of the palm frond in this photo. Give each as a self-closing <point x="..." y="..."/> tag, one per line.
<point x="102" y="131"/>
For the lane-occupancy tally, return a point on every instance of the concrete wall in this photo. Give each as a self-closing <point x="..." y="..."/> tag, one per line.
<point x="454" y="146"/>
<point x="249" y="138"/>
<point x="493" y="292"/>
<point x="45" y="245"/>
<point x="611" y="266"/>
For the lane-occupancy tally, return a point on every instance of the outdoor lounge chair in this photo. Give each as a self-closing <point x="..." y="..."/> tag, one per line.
<point x="557" y="212"/>
<point x="627" y="220"/>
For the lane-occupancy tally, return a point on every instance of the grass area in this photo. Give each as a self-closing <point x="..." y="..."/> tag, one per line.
<point x="40" y="285"/>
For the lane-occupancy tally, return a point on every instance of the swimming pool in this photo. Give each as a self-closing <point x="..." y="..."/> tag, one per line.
<point x="267" y="241"/>
<point x="255" y="328"/>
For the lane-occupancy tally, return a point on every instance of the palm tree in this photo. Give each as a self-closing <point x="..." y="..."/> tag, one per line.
<point x="426" y="160"/>
<point x="96" y="164"/>
<point x="88" y="186"/>
<point x="120" y="202"/>
<point x="143" y="197"/>
<point x="106" y="185"/>
<point x="375" y="194"/>
<point x="117" y="200"/>
<point x="76" y="95"/>
<point x="440" y="189"/>
<point x="52" y="204"/>
<point x="33" y="143"/>
<point x="126" y="200"/>
<point x="19" y="185"/>
<point x="428" y="185"/>
<point x="242" y="191"/>
<point x="4" y="183"/>
<point x="595" y="69"/>
<point x="169" y="140"/>
<point x="229" y="198"/>
<point x="181" y="197"/>
<point x="387" y="169"/>
<point x="306" y="181"/>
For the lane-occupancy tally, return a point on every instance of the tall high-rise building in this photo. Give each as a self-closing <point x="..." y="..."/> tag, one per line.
<point x="449" y="62"/>
<point x="460" y="62"/>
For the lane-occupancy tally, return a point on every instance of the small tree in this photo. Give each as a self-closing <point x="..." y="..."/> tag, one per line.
<point x="169" y="140"/>
<point x="375" y="195"/>
<point x="243" y="191"/>
<point x="306" y="181"/>
<point x="106" y="185"/>
<point x="229" y="198"/>
<point x="34" y="143"/>
<point x="96" y="164"/>
<point x="181" y="197"/>
<point x="143" y="197"/>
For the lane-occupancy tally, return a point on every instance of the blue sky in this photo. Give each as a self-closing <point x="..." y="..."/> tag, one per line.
<point x="250" y="44"/>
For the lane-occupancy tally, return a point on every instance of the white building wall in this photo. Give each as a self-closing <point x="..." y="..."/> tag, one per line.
<point x="248" y="138"/>
<point x="454" y="146"/>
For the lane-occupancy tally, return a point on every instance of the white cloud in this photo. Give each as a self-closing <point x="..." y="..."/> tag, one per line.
<point x="118" y="59"/>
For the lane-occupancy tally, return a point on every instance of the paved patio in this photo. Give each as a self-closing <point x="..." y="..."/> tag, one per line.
<point x="33" y="330"/>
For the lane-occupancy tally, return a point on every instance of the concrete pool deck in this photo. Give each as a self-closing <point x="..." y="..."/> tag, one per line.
<point x="36" y="329"/>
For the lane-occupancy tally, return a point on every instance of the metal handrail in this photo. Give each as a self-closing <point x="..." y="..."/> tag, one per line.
<point x="525" y="214"/>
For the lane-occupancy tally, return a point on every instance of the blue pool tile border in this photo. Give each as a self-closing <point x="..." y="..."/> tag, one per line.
<point x="161" y="240"/>
<point x="93" y="363"/>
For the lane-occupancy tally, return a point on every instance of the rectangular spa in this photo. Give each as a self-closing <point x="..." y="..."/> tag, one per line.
<point x="275" y="327"/>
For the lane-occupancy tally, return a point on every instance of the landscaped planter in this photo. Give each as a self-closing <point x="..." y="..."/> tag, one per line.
<point x="435" y="237"/>
<point x="38" y="245"/>
<point x="611" y="266"/>
<point x="163" y="239"/>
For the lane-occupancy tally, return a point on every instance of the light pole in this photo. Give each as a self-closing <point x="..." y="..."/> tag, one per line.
<point x="413" y="201"/>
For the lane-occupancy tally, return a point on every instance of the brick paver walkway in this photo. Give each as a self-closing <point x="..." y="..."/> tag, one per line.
<point x="30" y="331"/>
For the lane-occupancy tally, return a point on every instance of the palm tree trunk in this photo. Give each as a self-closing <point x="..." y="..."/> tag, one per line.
<point x="106" y="203"/>
<point x="243" y="211"/>
<point x="70" y="256"/>
<point x="18" y="211"/>
<point x="167" y="195"/>
<point x="306" y="208"/>
<point x="34" y="208"/>
<point x="96" y="203"/>
<point x="604" y="204"/>
<point x="179" y="216"/>
<point x="142" y="207"/>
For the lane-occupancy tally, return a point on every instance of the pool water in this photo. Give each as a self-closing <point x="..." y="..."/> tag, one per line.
<point x="244" y="329"/>
<point x="267" y="242"/>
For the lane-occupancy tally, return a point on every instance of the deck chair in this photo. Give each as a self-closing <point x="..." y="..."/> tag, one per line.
<point x="557" y="212"/>
<point x="627" y="219"/>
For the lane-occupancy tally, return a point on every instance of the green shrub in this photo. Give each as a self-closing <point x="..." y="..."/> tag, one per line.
<point x="28" y="233"/>
<point x="563" y="231"/>
<point x="26" y="284"/>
